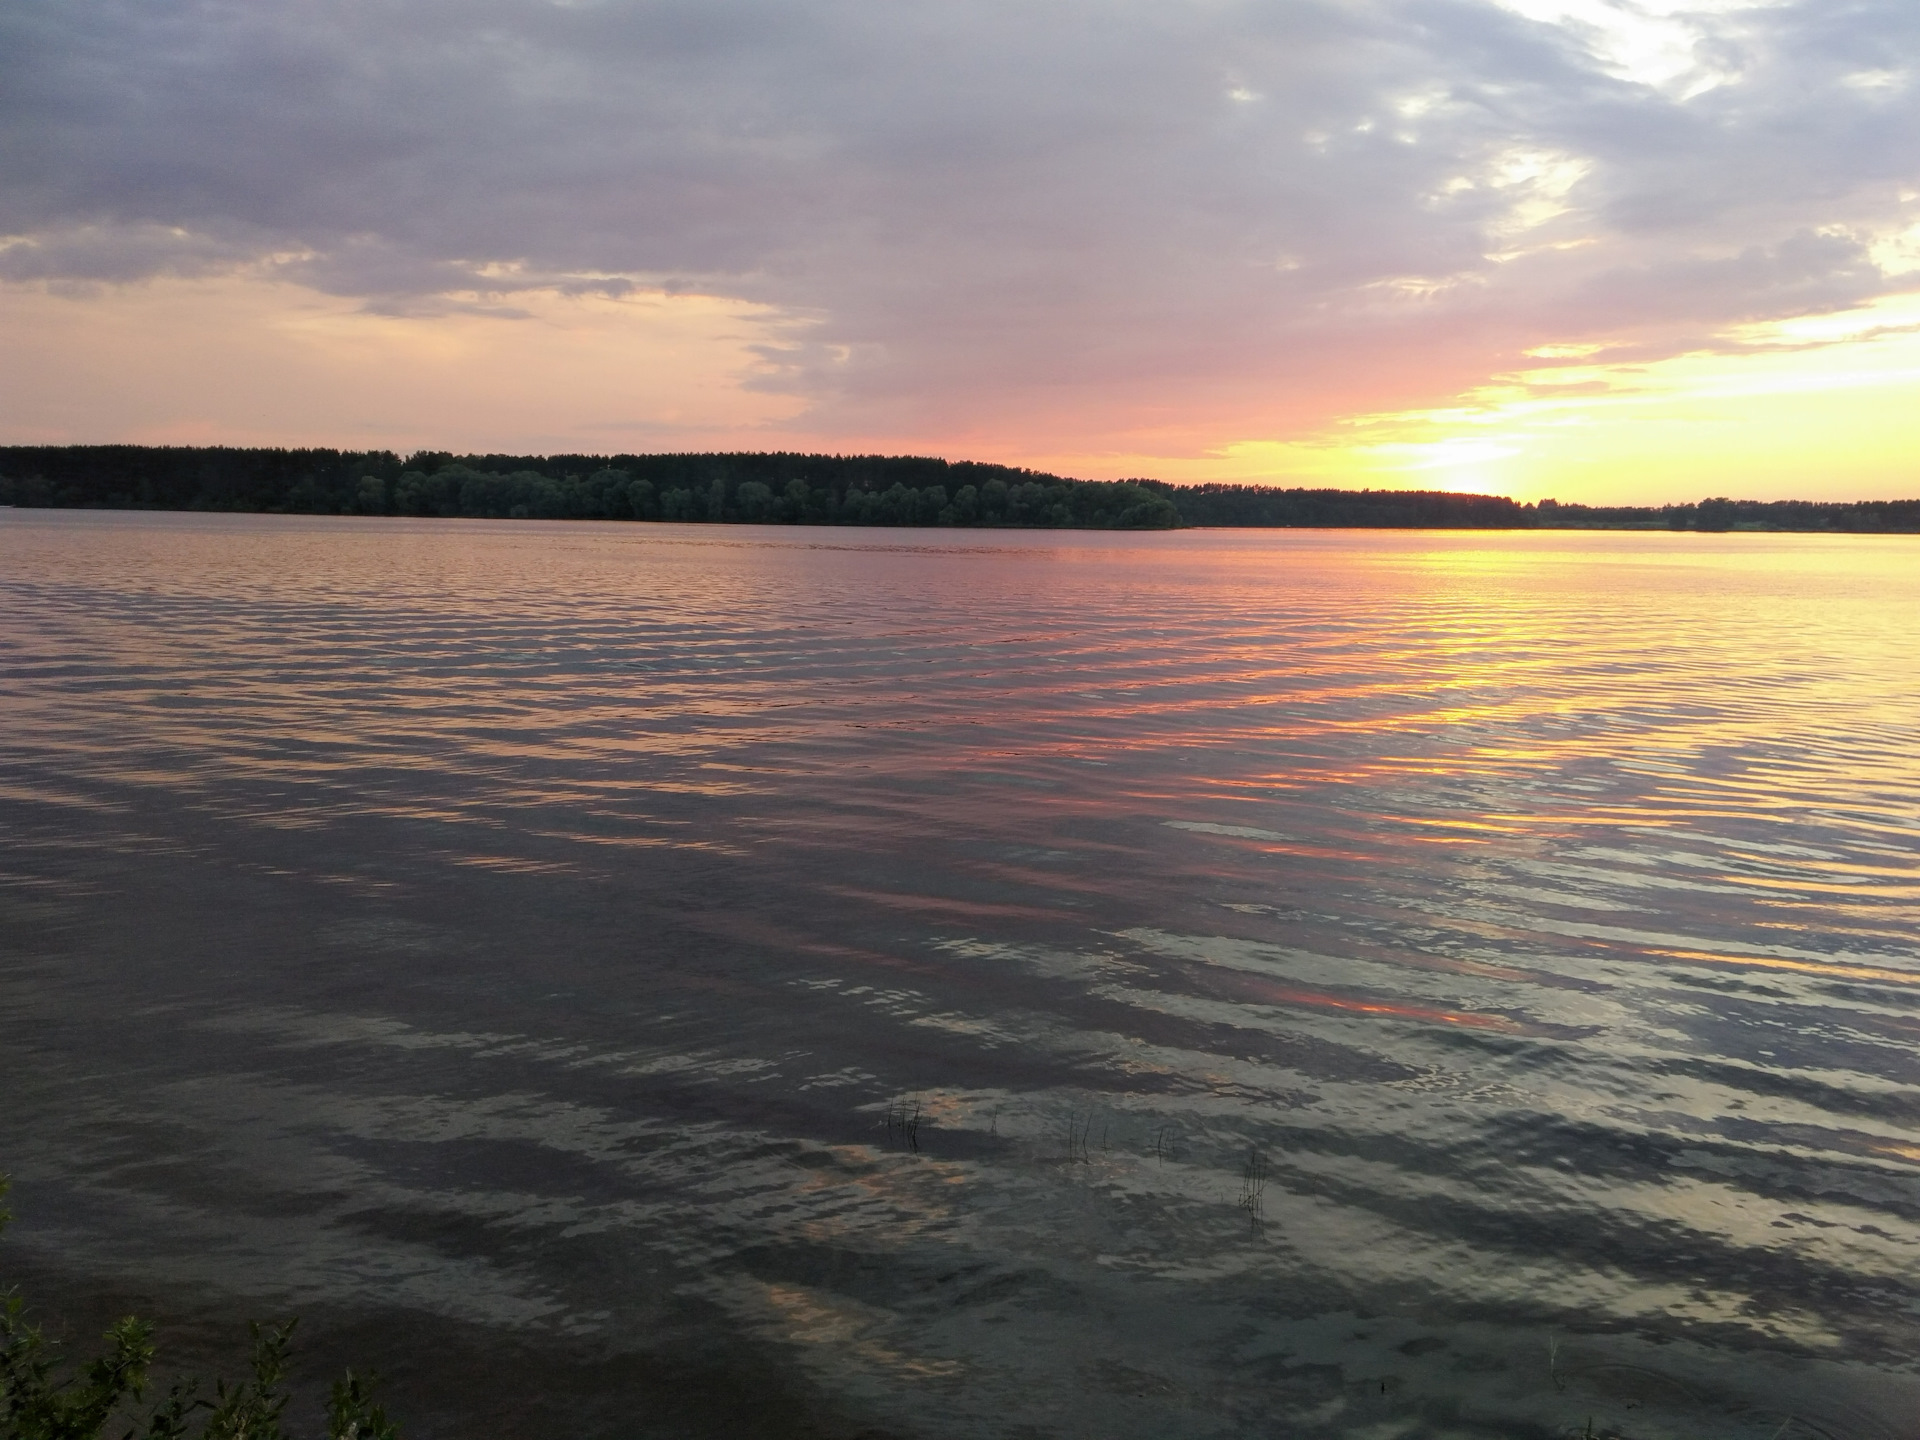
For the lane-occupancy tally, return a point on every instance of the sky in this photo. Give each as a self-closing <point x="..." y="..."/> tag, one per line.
<point x="1600" y="250"/>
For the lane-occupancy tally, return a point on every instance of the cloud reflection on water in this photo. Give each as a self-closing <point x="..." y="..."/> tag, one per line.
<point x="535" y="925"/>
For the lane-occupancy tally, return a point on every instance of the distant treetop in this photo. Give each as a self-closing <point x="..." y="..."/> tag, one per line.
<point x="794" y="489"/>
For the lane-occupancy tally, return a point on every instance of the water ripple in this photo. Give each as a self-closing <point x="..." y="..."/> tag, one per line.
<point x="1248" y="983"/>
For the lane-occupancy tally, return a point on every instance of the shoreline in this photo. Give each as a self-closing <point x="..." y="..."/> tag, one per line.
<point x="823" y="490"/>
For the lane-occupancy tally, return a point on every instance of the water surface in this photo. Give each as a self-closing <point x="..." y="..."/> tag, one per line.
<point x="647" y="979"/>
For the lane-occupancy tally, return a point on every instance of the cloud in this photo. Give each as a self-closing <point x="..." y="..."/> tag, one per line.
<point x="84" y="257"/>
<point x="1084" y="223"/>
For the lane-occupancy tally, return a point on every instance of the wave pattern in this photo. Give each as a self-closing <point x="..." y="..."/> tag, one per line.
<point x="1297" y="984"/>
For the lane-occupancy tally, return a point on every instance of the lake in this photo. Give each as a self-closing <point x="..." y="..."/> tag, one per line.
<point x="732" y="981"/>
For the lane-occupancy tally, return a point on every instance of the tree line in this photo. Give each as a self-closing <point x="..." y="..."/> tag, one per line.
<point x="742" y="488"/>
<point x="1264" y="506"/>
<point x="795" y="489"/>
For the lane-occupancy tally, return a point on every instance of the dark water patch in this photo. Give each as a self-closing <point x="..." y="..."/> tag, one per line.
<point x="1894" y="1107"/>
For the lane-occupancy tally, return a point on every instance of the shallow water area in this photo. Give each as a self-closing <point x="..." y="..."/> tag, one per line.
<point x="654" y="979"/>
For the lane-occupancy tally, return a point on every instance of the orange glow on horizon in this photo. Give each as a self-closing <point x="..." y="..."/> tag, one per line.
<point x="1819" y="407"/>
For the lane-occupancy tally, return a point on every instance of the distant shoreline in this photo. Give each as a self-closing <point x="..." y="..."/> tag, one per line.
<point x="799" y="489"/>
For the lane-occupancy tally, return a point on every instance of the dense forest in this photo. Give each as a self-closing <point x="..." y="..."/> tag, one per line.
<point x="766" y="488"/>
<point x="810" y="490"/>
<point x="1259" y="505"/>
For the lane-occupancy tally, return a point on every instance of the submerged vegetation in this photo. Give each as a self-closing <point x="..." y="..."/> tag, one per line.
<point x="46" y="1396"/>
<point x="792" y="489"/>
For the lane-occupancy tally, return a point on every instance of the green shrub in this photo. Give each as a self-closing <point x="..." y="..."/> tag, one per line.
<point x="45" y="1396"/>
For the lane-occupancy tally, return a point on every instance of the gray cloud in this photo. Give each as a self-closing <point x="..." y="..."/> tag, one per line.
<point x="1028" y="215"/>
<point x="93" y="255"/>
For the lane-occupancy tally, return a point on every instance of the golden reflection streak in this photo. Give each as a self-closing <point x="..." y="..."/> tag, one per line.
<point x="819" y="1318"/>
<point x="1824" y="969"/>
<point x="1268" y="992"/>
